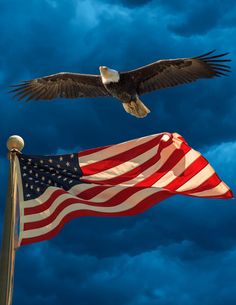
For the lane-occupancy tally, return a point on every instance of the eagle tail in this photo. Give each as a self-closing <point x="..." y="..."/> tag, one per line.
<point x="136" y="108"/>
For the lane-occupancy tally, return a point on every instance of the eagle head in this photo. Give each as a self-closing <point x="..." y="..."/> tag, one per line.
<point x="109" y="75"/>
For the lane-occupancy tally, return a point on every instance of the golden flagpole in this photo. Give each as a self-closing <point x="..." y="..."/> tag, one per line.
<point x="9" y="242"/>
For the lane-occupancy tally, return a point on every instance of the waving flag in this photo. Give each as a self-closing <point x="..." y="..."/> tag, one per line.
<point x="118" y="180"/>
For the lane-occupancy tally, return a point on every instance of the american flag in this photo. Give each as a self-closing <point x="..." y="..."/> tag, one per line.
<point x="116" y="180"/>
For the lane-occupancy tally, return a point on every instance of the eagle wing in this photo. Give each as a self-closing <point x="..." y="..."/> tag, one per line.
<point x="173" y="72"/>
<point x="65" y="85"/>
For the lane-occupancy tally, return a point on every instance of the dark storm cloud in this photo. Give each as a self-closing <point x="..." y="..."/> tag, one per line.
<point x="130" y="3"/>
<point x="50" y="41"/>
<point x="184" y="248"/>
<point x="150" y="277"/>
<point x="213" y="13"/>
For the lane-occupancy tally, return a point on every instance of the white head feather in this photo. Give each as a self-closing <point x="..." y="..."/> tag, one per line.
<point x="109" y="75"/>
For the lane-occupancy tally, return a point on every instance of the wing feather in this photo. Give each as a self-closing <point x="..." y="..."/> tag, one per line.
<point x="64" y="85"/>
<point x="173" y="72"/>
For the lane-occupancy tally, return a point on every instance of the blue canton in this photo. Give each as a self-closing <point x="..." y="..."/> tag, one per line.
<point x="40" y="172"/>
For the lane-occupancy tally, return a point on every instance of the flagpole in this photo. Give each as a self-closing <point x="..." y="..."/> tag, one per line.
<point x="7" y="259"/>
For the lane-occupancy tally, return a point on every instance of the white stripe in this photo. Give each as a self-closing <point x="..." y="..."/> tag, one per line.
<point x="220" y="189"/>
<point x="113" y="150"/>
<point x="198" y="179"/>
<point x="178" y="169"/>
<point x="126" y="205"/>
<point x="123" y="168"/>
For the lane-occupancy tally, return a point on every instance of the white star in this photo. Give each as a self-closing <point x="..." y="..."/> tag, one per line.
<point x="67" y="163"/>
<point x="70" y="181"/>
<point x="26" y="185"/>
<point x="61" y="158"/>
<point x="24" y="174"/>
<point x="28" y="195"/>
<point x="41" y="161"/>
<point x="58" y="165"/>
<point x="36" y="175"/>
<point x="24" y="167"/>
<point x="43" y="178"/>
<point x="75" y="169"/>
<point x="38" y="189"/>
<point x="65" y="179"/>
<point x="72" y="156"/>
<point x="49" y="181"/>
<point x="31" y="187"/>
<point x="31" y="171"/>
<point x="30" y="178"/>
<point x="50" y="160"/>
<point x="59" y="177"/>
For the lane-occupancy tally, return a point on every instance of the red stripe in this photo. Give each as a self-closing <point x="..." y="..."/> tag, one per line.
<point x="118" y="159"/>
<point x="174" y="158"/>
<point x="228" y="195"/>
<point x="92" y="192"/>
<point x="129" y="174"/>
<point x="182" y="139"/>
<point x="193" y="169"/>
<point x="141" y="207"/>
<point x="44" y="206"/>
<point x="115" y="200"/>
<point x="211" y="182"/>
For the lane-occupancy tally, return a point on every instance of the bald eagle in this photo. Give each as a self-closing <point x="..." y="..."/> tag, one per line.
<point x="124" y="86"/>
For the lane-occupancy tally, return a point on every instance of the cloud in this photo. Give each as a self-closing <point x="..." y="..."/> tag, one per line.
<point x="53" y="42"/>
<point x="190" y="24"/>
<point x="150" y="277"/>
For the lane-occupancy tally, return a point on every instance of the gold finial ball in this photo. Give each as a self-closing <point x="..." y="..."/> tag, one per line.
<point x="15" y="143"/>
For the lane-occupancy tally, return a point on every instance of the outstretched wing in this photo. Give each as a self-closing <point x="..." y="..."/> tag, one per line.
<point x="65" y="85"/>
<point x="173" y="72"/>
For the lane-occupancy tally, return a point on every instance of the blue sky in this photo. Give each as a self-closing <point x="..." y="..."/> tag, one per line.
<point x="182" y="251"/>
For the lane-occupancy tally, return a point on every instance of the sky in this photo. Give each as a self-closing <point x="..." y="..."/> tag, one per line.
<point x="181" y="251"/>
